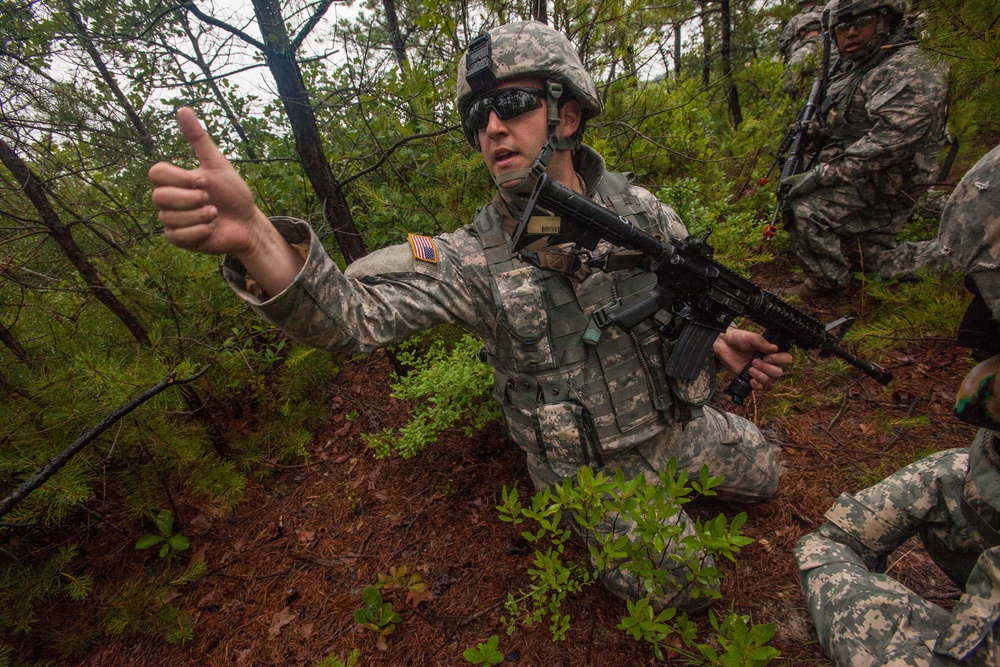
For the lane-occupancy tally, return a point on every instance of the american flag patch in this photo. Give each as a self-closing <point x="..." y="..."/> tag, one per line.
<point x="423" y="248"/>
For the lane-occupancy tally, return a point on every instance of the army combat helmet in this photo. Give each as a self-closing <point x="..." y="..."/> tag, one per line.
<point x="888" y="13"/>
<point x="526" y="48"/>
<point x="842" y="10"/>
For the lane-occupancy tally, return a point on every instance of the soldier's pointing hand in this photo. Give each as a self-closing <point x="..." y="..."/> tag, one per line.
<point x="211" y="209"/>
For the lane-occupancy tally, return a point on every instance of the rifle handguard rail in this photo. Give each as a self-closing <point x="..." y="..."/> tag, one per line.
<point x="688" y="280"/>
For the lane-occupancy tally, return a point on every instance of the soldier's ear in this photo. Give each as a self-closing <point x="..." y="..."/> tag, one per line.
<point x="570" y="115"/>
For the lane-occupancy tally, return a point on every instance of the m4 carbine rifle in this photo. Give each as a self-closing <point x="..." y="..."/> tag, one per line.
<point x="797" y="138"/>
<point x="691" y="285"/>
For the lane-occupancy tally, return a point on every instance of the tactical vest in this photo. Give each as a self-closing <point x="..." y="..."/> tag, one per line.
<point x="845" y="130"/>
<point x="565" y="399"/>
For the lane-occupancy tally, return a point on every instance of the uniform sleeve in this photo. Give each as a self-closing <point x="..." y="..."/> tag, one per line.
<point x="906" y="99"/>
<point x="666" y="218"/>
<point x="383" y="298"/>
<point x="880" y="518"/>
<point x="975" y="615"/>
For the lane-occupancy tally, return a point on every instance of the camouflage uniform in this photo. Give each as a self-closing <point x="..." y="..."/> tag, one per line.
<point x="804" y="54"/>
<point x="885" y="117"/>
<point x="867" y="618"/>
<point x="950" y="499"/>
<point x="389" y="295"/>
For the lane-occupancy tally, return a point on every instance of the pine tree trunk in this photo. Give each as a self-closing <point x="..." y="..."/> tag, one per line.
<point x="85" y="40"/>
<point x="14" y="345"/>
<point x="735" y="113"/>
<point x="308" y="142"/>
<point x="706" y="45"/>
<point x="392" y="20"/>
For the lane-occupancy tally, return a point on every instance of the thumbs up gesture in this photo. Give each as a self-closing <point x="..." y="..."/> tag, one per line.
<point x="211" y="210"/>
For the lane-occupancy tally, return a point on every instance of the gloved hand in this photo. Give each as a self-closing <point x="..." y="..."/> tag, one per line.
<point x="801" y="185"/>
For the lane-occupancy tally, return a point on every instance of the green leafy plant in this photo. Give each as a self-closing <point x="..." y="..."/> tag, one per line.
<point x="485" y="653"/>
<point x="652" y="546"/>
<point x="170" y="542"/>
<point x="447" y="387"/>
<point x="643" y="623"/>
<point x="350" y="660"/>
<point x="739" y="644"/>
<point x="377" y="615"/>
<point x="401" y="578"/>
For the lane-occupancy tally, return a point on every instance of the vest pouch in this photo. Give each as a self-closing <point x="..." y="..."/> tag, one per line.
<point x="565" y="437"/>
<point x="637" y="385"/>
<point x="523" y="335"/>
<point x="518" y="399"/>
<point x="691" y="395"/>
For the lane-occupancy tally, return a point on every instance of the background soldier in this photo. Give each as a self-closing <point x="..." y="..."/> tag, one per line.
<point x="524" y="97"/>
<point x="802" y="47"/>
<point x="883" y="125"/>
<point x="951" y="499"/>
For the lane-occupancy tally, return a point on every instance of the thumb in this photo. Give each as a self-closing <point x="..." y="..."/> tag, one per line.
<point x="208" y="153"/>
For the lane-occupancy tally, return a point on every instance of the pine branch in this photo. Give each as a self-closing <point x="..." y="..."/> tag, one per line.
<point x="61" y="459"/>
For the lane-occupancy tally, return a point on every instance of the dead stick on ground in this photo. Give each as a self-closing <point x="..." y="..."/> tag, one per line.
<point x="843" y="404"/>
<point x="61" y="459"/>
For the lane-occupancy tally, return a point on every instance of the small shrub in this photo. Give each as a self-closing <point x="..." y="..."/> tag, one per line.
<point x="650" y="511"/>
<point x="377" y="615"/>
<point x="485" y="653"/>
<point x="447" y="387"/>
<point x="171" y="543"/>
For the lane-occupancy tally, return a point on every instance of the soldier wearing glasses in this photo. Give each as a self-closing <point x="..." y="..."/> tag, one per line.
<point x="882" y="127"/>
<point x="524" y="98"/>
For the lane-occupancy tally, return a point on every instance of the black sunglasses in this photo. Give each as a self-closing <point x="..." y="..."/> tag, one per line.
<point x="860" y="23"/>
<point x="508" y="103"/>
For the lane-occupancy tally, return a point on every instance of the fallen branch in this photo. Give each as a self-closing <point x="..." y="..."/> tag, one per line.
<point x="61" y="459"/>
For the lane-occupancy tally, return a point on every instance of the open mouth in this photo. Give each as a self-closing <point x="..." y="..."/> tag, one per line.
<point x="503" y="156"/>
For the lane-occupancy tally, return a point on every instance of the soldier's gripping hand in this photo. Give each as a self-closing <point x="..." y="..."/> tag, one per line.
<point x="210" y="209"/>
<point x="801" y="185"/>
<point x="736" y="347"/>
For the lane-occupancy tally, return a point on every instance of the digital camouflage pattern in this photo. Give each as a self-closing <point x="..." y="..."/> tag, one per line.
<point x="970" y="227"/>
<point x="388" y="296"/>
<point x="866" y="618"/>
<point x="529" y="48"/>
<point x="841" y="10"/>
<point x="804" y="61"/>
<point x="886" y="129"/>
<point x="950" y="499"/>
<point x="790" y="41"/>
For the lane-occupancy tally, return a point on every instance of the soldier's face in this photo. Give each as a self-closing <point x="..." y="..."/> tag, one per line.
<point x="853" y="36"/>
<point x="511" y="144"/>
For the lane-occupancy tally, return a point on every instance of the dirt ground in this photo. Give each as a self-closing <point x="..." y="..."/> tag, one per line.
<point x="286" y="571"/>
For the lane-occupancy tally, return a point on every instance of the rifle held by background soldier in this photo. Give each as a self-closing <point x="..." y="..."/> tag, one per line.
<point x="797" y="137"/>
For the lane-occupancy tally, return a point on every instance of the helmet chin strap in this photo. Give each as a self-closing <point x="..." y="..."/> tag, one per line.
<point x="522" y="181"/>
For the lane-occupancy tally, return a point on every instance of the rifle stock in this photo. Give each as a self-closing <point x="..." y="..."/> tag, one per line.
<point x="690" y="283"/>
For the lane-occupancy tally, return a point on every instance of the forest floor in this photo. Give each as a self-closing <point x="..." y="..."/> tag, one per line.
<point x="286" y="570"/>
